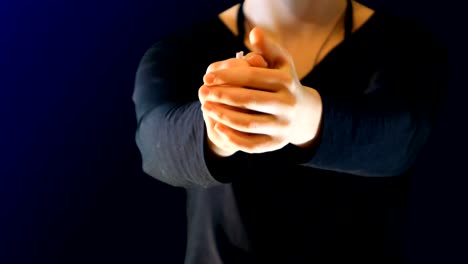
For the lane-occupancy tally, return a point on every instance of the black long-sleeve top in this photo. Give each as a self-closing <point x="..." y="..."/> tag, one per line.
<point x="345" y="196"/>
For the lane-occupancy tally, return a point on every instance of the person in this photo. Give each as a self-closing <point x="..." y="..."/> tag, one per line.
<point x="300" y="151"/>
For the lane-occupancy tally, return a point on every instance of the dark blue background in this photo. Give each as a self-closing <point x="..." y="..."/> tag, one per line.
<point x="71" y="187"/>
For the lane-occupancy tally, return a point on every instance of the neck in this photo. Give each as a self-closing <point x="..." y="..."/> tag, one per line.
<point x="283" y="19"/>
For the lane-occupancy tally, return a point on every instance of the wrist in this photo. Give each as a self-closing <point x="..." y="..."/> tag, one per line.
<point x="311" y="119"/>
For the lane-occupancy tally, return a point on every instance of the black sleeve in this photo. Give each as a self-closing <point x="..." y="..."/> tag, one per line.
<point x="381" y="132"/>
<point x="171" y="133"/>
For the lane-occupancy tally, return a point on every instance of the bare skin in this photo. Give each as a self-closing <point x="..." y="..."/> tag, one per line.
<point x="257" y="104"/>
<point x="304" y="48"/>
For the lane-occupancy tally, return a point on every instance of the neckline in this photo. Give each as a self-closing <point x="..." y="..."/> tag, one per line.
<point x="348" y="21"/>
<point x="340" y="46"/>
<point x="353" y="35"/>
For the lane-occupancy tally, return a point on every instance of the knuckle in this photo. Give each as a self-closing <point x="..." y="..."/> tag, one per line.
<point x="250" y="124"/>
<point x="217" y="95"/>
<point x="287" y="79"/>
<point x="290" y="102"/>
<point x="236" y="123"/>
<point x="227" y="118"/>
<point x="230" y="120"/>
<point x="222" y="116"/>
<point x="212" y="67"/>
<point x="225" y="64"/>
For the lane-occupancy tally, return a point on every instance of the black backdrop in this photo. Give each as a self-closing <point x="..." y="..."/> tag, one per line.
<point x="71" y="187"/>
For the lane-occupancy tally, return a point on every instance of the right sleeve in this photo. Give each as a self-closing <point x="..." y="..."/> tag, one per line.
<point x="171" y="132"/>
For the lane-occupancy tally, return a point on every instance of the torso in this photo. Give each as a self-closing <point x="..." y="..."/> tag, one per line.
<point x="304" y="52"/>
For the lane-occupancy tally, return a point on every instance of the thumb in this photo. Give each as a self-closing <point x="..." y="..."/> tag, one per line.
<point x="256" y="60"/>
<point x="274" y="54"/>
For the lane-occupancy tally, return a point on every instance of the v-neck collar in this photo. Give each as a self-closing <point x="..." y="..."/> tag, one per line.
<point x="330" y="55"/>
<point x="342" y="45"/>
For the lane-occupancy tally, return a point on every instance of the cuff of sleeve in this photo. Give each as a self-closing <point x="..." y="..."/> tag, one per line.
<point x="298" y="155"/>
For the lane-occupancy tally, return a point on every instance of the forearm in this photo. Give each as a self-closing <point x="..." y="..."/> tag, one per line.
<point x="366" y="138"/>
<point x="173" y="144"/>
<point x="170" y="139"/>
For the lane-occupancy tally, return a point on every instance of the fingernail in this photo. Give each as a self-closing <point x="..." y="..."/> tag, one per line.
<point x="209" y="78"/>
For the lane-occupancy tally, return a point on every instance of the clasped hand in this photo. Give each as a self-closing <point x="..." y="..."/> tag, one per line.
<point x="257" y="104"/>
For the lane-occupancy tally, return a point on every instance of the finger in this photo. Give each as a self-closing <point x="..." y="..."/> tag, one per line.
<point x="245" y="98"/>
<point x="274" y="54"/>
<point x="256" y="60"/>
<point x="256" y="123"/>
<point x="204" y="91"/>
<point x="272" y="80"/>
<point x="225" y="64"/>
<point x="249" y="143"/>
<point x="214" y="136"/>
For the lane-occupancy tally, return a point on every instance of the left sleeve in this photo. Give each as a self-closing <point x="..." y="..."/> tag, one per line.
<point x="381" y="133"/>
